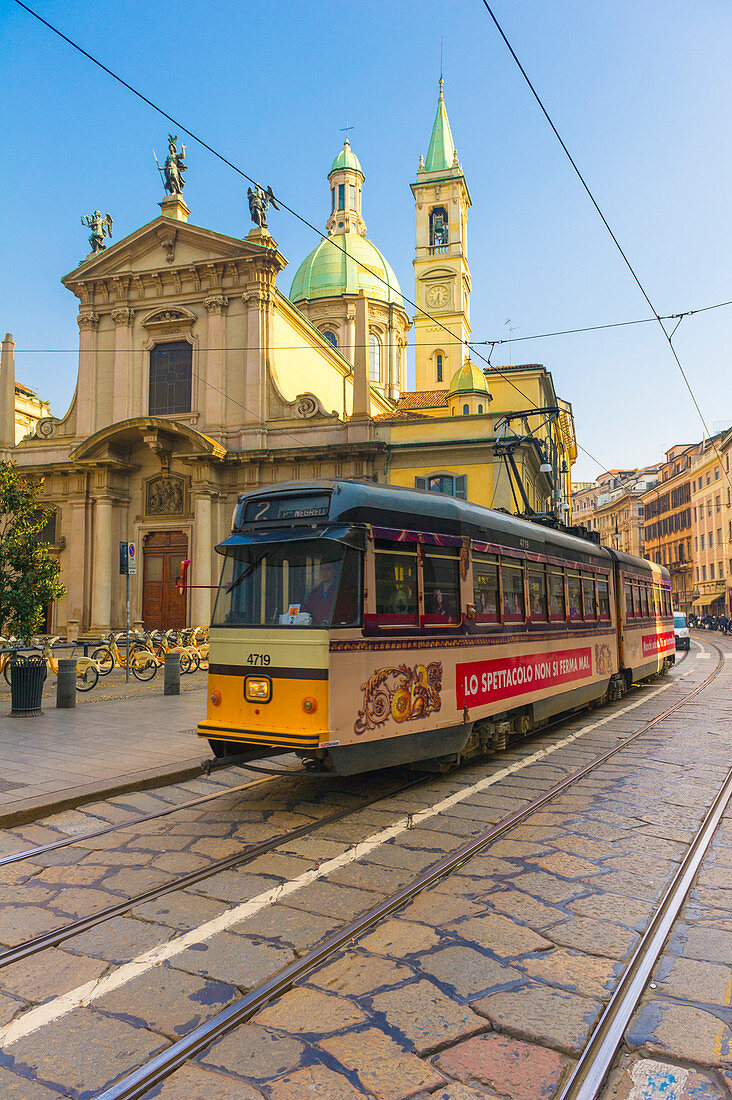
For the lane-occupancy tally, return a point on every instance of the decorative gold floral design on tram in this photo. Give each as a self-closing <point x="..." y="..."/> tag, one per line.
<point x="400" y="693"/>
<point x="603" y="660"/>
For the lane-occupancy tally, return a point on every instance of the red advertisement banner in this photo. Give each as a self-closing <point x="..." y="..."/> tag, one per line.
<point x="658" y="643"/>
<point x="481" y="682"/>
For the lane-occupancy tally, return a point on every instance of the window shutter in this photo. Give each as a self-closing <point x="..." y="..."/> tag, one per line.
<point x="420" y="483"/>
<point x="461" y="487"/>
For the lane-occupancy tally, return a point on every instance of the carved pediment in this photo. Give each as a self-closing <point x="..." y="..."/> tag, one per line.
<point x="169" y="315"/>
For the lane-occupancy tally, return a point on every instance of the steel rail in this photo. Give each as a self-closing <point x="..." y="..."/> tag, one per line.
<point x="74" y="928"/>
<point x="135" y="1085"/>
<point x="597" y="1057"/>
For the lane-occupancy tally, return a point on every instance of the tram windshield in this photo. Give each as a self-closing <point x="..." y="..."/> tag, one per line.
<point x="307" y="583"/>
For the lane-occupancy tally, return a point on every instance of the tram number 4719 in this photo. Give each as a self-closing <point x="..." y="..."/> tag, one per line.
<point x="258" y="659"/>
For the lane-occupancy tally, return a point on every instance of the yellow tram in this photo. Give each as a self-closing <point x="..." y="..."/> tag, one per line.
<point x="364" y="625"/>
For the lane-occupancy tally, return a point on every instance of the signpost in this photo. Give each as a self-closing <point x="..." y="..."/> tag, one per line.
<point x="127" y="569"/>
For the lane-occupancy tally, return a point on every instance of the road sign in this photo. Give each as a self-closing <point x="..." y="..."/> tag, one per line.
<point x="131" y="559"/>
<point x="123" y="559"/>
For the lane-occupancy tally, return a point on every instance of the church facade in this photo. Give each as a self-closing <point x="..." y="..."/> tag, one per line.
<point x="199" y="379"/>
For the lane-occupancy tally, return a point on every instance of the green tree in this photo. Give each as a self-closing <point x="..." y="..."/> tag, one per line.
<point x="28" y="572"/>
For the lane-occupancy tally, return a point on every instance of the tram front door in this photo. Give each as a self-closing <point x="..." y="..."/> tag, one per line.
<point x="163" y="606"/>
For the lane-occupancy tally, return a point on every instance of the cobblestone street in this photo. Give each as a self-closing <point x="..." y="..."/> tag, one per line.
<point x="487" y="983"/>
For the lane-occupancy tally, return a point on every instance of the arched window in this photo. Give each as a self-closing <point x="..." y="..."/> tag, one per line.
<point x="332" y="200"/>
<point x="374" y="358"/>
<point x="341" y="196"/>
<point x="480" y="409"/>
<point x="466" y="410"/>
<point x="171" y="372"/>
<point x="439" y="231"/>
<point x="438" y="360"/>
<point x="331" y="338"/>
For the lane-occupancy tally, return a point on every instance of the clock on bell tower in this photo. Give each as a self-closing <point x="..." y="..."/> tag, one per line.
<point x="441" y="272"/>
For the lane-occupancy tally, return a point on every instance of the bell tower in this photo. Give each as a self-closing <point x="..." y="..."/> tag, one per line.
<point x="441" y="272"/>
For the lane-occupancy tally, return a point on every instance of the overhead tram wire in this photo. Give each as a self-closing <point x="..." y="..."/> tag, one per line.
<point x="615" y="240"/>
<point x="125" y="84"/>
<point x="415" y="344"/>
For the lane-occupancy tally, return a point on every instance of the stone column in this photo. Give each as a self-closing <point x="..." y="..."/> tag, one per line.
<point x="350" y="349"/>
<point x="212" y="400"/>
<point x="392" y="390"/>
<point x="202" y="551"/>
<point x="122" y="372"/>
<point x="86" y="395"/>
<point x="259" y="304"/>
<point x="75" y="577"/>
<point x="361" y="386"/>
<point x="103" y="561"/>
<point x="7" y="393"/>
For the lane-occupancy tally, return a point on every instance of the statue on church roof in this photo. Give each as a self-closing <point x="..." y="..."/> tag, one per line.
<point x="174" y="167"/>
<point x="259" y="201"/>
<point x="100" y="228"/>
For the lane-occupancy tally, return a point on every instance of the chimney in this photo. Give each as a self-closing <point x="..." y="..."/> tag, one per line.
<point x="7" y="393"/>
<point x="361" y="386"/>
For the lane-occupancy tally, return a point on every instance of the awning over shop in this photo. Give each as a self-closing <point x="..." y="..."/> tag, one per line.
<point x="707" y="600"/>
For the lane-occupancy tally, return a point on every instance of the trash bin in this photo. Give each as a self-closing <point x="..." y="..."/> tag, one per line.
<point x="26" y="687"/>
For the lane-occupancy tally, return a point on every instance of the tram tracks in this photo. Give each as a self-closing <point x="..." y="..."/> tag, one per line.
<point x="611" y="1027"/>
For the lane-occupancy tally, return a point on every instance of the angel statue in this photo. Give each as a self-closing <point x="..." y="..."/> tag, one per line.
<point x="100" y="228"/>
<point x="174" y="167"/>
<point x="259" y="200"/>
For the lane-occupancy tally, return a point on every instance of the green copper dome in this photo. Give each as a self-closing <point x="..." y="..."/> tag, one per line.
<point x="328" y="273"/>
<point x="346" y="159"/>
<point x="468" y="379"/>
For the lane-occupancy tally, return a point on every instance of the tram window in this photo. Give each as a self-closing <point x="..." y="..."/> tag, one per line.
<point x="485" y="588"/>
<point x="293" y="584"/>
<point x="396" y="587"/>
<point x="441" y="576"/>
<point x="644" y="600"/>
<point x="574" y="592"/>
<point x="656" y="600"/>
<point x="628" y="588"/>
<point x="666" y="602"/>
<point x="603" y="600"/>
<point x="556" y="595"/>
<point x="537" y="593"/>
<point x="512" y="578"/>
<point x="588" y="597"/>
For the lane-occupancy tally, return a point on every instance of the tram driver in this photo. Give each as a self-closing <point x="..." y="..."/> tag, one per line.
<point x="319" y="601"/>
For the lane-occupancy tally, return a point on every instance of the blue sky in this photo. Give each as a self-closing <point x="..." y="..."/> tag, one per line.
<point x="640" y="93"/>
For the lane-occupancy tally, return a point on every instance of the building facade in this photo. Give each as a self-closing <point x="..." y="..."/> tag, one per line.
<point x="712" y="528"/>
<point x="668" y="522"/>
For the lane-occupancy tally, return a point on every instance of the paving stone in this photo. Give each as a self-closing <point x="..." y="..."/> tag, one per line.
<point x="233" y="886"/>
<point x="305" y="1011"/>
<point x="81" y="874"/>
<point x="368" y="876"/>
<point x="511" y="1067"/>
<point x="82" y="903"/>
<point x="279" y="865"/>
<point x="708" y="944"/>
<point x="381" y="1066"/>
<point x="179" y="863"/>
<point x="590" y="975"/>
<point x="355" y="975"/>
<point x="14" y="1087"/>
<point x="83" y="1051"/>
<point x="612" y="907"/>
<point x="392" y="855"/>
<point x="584" y="846"/>
<point x="425" y="1016"/>
<point x="499" y="934"/>
<point x="118" y="940"/>
<point x="295" y="927"/>
<point x="543" y="1014"/>
<point x="457" y="1091"/>
<point x="167" y="1000"/>
<point x="691" y="980"/>
<point x="568" y="865"/>
<point x="437" y="909"/>
<point x="41" y="977"/>
<point x="182" y="911"/>
<point x="632" y="886"/>
<point x="9" y="1007"/>
<point x="234" y="959"/>
<point x="399" y="938"/>
<point x="523" y="907"/>
<point x="547" y="887"/>
<point x="642" y="863"/>
<point x="466" y="971"/>
<point x="21" y="922"/>
<point x="121" y="858"/>
<point x="133" y="880"/>
<point x="316" y="1081"/>
<point x="332" y="901"/>
<point x="253" y="1052"/>
<point x="594" y="936"/>
<point x="681" y="1032"/>
<point x="194" y="1083"/>
<point x="645" y="1079"/>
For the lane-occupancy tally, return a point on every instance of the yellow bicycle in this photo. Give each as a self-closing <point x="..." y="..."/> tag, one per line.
<point x="143" y="662"/>
<point x="87" y="670"/>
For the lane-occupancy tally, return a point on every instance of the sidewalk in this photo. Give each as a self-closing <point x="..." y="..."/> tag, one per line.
<point x="68" y="756"/>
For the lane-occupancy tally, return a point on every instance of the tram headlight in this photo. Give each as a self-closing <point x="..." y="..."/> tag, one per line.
<point x="257" y="689"/>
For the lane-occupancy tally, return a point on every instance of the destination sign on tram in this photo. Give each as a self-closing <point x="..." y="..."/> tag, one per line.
<point x="279" y="508"/>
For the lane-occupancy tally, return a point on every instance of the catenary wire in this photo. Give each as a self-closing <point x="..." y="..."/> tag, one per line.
<point x="615" y="240"/>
